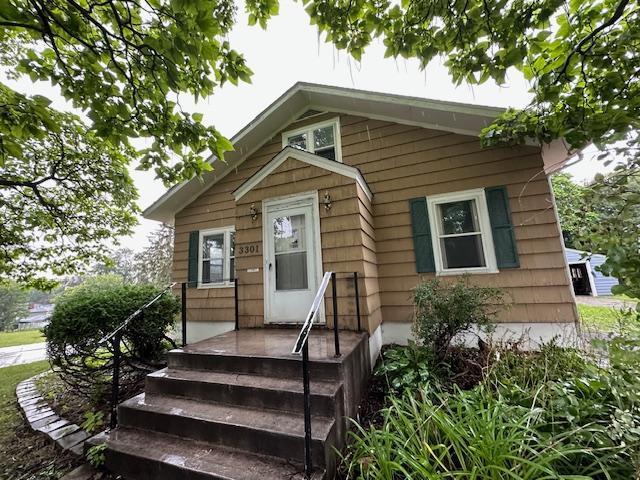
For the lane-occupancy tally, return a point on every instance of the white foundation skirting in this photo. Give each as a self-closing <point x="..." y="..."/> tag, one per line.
<point x="375" y="345"/>
<point x="531" y="334"/>
<point x="197" y="331"/>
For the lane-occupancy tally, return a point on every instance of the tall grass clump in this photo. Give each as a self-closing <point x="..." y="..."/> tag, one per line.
<point x="466" y="435"/>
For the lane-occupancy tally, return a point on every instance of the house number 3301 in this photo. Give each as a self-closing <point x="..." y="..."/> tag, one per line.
<point x="247" y="249"/>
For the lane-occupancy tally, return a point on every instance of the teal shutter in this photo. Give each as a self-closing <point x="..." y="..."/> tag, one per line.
<point x="422" y="246"/>
<point x="192" y="268"/>
<point x="504" y="239"/>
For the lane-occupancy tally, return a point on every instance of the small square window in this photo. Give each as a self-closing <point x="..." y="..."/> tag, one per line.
<point x="322" y="140"/>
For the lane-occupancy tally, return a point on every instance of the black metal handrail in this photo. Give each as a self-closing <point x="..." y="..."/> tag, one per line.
<point x="302" y="347"/>
<point x="115" y="337"/>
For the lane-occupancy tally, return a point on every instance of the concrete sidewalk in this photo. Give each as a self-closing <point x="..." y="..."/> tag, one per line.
<point x="22" y="354"/>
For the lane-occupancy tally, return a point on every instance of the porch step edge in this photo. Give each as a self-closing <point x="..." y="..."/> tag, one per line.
<point x="139" y="455"/>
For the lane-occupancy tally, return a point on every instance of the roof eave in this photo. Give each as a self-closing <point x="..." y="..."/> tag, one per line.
<point x="449" y="116"/>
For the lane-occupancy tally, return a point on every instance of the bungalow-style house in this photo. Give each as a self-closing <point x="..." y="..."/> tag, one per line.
<point x="395" y="188"/>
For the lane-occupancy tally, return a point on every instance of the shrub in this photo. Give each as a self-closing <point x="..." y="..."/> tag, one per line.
<point x="83" y="315"/>
<point x="405" y="367"/>
<point x="444" y="311"/>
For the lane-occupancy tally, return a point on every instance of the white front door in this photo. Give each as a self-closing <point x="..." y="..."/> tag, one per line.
<point x="292" y="252"/>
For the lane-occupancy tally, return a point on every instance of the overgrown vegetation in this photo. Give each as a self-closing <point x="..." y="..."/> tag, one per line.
<point x="85" y="314"/>
<point x="555" y="413"/>
<point x="602" y="216"/>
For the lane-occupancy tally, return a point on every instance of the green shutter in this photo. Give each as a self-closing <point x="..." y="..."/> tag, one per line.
<point x="504" y="239"/>
<point x="422" y="246"/>
<point x="192" y="269"/>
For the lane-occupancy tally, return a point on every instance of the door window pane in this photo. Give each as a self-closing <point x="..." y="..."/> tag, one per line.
<point x="212" y="258"/>
<point x="289" y="234"/>
<point x="298" y="141"/>
<point x="291" y="271"/>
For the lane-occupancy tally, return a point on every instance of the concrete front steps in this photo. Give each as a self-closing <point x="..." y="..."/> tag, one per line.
<point x="231" y="407"/>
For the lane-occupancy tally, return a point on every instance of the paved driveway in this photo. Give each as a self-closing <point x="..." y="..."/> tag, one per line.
<point x="22" y="354"/>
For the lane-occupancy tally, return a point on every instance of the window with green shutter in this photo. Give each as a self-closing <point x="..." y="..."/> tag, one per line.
<point x="461" y="233"/>
<point x="504" y="239"/>
<point x="192" y="266"/>
<point x="422" y="245"/>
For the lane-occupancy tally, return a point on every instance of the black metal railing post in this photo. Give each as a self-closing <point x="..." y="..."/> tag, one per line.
<point x="235" y="294"/>
<point x="357" y="292"/>
<point x="336" y="335"/>
<point x="115" y="381"/>
<point x="184" y="313"/>
<point x="308" y="467"/>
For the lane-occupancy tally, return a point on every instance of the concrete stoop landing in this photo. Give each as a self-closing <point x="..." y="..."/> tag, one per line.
<point x="231" y="407"/>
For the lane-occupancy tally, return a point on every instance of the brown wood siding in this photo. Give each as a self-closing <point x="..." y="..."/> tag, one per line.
<point x="399" y="162"/>
<point x="404" y="162"/>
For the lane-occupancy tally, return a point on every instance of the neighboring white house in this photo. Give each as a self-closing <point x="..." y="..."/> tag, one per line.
<point x="587" y="280"/>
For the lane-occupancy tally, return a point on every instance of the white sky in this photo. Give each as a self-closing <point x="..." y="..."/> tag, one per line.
<point x="290" y="51"/>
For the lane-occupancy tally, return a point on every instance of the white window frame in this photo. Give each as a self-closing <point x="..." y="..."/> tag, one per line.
<point x="307" y="130"/>
<point x="486" y="236"/>
<point x="226" y="262"/>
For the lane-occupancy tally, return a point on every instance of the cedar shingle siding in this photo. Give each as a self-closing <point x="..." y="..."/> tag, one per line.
<point x="399" y="163"/>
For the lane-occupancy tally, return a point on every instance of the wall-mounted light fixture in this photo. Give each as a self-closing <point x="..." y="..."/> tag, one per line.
<point x="253" y="211"/>
<point x="327" y="201"/>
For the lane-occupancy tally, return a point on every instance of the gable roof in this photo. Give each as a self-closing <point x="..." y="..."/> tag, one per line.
<point x="454" y="117"/>
<point x="308" y="158"/>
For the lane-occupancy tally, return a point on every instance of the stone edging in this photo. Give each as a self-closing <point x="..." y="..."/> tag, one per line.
<point x="42" y="419"/>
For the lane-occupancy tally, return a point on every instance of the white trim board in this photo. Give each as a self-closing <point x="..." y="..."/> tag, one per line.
<point x="532" y="334"/>
<point x="305" y="157"/>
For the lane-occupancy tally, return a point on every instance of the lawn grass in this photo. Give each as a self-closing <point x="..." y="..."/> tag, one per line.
<point x="604" y="319"/>
<point x="25" y="454"/>
<point x="9" y="379"/>
<point x="624" y="298"/>
<point x="21" y="337"/>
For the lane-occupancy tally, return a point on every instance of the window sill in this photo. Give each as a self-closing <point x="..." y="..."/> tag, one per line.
<point x="464" y="271"/>
<point x="202" y="286"/>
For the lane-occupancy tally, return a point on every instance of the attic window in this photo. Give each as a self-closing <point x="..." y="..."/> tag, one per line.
<point x="322" y="139"/>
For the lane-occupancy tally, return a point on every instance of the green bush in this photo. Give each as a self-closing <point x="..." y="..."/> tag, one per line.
<point x="444" y="311"/>
<point x="405" y="367"/>
<point x="83" y="315"/>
